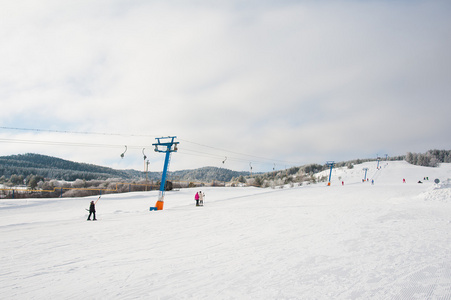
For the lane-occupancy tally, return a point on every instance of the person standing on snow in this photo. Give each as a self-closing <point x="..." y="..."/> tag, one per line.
<point x="196" y="197"/>
<point x="201" y="198"/>
<point x="92" y="211"/>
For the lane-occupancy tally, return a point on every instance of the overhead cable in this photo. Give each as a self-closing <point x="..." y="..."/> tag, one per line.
<point x="219" y="156"/>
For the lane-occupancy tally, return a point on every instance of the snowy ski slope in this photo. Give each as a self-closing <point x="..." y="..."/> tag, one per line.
<point x="358" y="241"/>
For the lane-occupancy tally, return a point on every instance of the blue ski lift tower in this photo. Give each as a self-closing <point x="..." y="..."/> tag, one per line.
<point x="331" y="165"/>
<point x="164" y="145"/>
<point x="366" y="170"/>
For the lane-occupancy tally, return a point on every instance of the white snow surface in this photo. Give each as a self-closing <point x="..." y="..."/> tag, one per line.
<point x="390" y="240"/>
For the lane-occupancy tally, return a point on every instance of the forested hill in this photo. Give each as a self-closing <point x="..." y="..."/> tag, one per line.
<point x="206" y="174"/>
<point x="57" y="168"/>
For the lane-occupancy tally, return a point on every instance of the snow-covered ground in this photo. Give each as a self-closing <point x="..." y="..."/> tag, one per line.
<point x="390" y="240"/>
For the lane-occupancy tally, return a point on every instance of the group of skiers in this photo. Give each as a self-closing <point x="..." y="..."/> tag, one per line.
<point x="199" y="197"/>
<point x="372" y="180"/>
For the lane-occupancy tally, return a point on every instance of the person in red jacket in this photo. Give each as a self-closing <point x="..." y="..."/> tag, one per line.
<point x="197" y="198"/>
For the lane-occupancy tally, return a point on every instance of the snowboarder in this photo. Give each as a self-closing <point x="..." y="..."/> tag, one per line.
<point x="196" y="197"/>
<point x="92" y="211"/>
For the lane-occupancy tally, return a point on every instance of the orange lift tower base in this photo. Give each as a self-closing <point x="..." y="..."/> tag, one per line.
<point x="168" y="146"/>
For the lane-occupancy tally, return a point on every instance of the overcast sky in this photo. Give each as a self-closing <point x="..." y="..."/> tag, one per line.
<point x="267" y="84"/>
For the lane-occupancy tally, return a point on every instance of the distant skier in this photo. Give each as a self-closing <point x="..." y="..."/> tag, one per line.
<point x="403" y="180"/>
<point x="92" y="211"/>
<point x="196" y="197"/>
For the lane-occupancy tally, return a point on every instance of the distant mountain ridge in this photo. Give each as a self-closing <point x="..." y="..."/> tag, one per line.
<point x="61" y="169"/>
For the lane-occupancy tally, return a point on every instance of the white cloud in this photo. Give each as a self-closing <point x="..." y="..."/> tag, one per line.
<point x="296" y="81"/>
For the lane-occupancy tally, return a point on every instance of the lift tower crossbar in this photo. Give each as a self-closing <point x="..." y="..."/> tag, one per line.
<point x="164" y="145"/>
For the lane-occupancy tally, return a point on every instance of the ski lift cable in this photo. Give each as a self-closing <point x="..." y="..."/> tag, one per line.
<point x="73" y="144"/>
<point x="77" y="132"/>
<point x="241" y="161"/>
<point x="213" y="156"/>
<point x="53" y="143"/>
<point x="218" y="155"/>
<point x="235" y="158"/>
<point x="126" y="135"/>
<point x="238" y="153"/>
<point x="127" y="147"/>
<point x="201" y="153"/>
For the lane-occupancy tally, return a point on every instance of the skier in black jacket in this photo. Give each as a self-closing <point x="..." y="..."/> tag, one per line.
<point x="92" y="211"/>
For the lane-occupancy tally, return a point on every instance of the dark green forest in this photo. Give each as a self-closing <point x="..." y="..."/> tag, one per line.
<point x="48" y="167"/>
<point x="55" y="168"/>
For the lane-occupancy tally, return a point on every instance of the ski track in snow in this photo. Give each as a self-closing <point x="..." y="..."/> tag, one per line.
<point x="358" y="241"/>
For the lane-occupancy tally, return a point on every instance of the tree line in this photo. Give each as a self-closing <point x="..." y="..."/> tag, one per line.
<point x="55" y="168"/>
<point x="431" y="158"/>
<point x="39" y="172"/>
